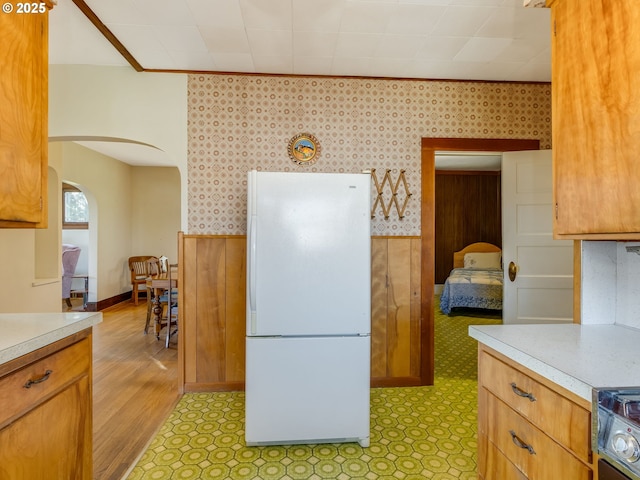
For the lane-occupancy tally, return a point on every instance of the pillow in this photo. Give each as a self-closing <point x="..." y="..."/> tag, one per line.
<point x="490" y="260"/>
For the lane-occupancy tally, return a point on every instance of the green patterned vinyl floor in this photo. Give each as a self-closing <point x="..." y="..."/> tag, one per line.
<point x="416" y="432"/>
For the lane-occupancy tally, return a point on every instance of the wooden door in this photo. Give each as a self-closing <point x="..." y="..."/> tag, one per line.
<point x="542" y="289"/>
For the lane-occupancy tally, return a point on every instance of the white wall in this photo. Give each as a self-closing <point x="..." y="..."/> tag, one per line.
<point x="610" y="291"/>
<point x="107" y="184"/>
<point x="119" y="103"/>
<point x="23" y="287"/>
<point x="155" y="215"/>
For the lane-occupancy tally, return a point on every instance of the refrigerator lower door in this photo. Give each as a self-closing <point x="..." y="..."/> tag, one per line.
<point x="307" y="390"/>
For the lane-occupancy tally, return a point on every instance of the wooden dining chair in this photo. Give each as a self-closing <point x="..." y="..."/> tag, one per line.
<point x="165" y="305"/>
<point x="141" y="268"/>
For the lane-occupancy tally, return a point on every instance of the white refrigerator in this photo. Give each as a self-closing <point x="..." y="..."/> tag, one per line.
<point x="308" y="337"/>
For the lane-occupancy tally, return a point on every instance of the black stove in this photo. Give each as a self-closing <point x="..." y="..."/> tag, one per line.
<point x="616" y="429"/>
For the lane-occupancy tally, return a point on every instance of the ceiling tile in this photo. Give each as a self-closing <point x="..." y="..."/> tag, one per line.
<point x="137" y="39"/>
<point x="315" y="16"/>
<point x="273" y="64"/>
<point x="499" y="70"/>
<point x="266" y="42"/>
<point x="181" y="38"/>
<point x="164" y="12"/>
<point x="521" y="49"/>
<point x="354" y="66"/>
<point x="64" y="47"/>
<point x="462" y="21"/>
<point x="390" y="67"/>
<point x="315" y="44"/>
<point x="117" y="11"/>
<point x="399" y="46"/>
<point x="366" y="17"/>
<point x="414" y="19"/>
<point x="216" y="13"/>
<point x="375" y="37"/>
<point x="441" y="48"/>
<point x="234" y="62"/>
<point x="225" y="39"/>
<point x="265" y="14"/>
<point x="482" y="49"/>
<point x="357" y="45"/>
<point x="155" y="59"/>
<point x="202" y="61"/>
<point x="312" y="65"/>
<point x="517" y="22"/>
<point x="532" y="72"/>
<point x="484" y="3"/>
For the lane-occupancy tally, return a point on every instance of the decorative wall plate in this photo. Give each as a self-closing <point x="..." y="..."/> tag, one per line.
<point x="304" y="149"/>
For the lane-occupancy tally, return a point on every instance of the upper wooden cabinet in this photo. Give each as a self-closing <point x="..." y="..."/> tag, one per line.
<point x="596" y="118"/>
<point x="23" y="117"/>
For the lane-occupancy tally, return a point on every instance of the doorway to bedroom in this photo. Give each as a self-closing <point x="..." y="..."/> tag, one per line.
<point x="467" y="205"/>
<point x="428" y="214"/>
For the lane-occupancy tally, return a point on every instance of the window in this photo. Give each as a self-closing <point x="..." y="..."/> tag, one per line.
<point x="75" y="213"/>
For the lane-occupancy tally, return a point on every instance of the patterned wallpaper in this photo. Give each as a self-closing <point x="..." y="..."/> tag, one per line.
<point x="241" y="122"/>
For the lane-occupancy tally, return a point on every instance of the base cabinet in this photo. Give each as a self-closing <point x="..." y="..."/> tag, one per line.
<point x="529" y="428"/>
<point x="45" y="413"/>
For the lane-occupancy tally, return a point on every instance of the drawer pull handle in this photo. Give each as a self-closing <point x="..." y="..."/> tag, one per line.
<point x="522" y="393"/>
<point x="519" y="443"/>
<point x="43" y="378"/>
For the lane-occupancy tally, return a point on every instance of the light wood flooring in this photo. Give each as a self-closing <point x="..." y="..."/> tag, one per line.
<point x="134" y="388"/>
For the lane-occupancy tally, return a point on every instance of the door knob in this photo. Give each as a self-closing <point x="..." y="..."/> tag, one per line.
<point x="513" y="271"/>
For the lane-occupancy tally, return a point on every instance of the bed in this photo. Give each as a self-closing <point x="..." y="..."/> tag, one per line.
<point x="476" y="279"/>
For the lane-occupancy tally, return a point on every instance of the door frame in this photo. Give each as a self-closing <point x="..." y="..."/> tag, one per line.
<point x="427" y="223"/>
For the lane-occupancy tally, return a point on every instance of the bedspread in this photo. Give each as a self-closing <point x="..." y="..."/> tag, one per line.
<point x="472" y="288"/>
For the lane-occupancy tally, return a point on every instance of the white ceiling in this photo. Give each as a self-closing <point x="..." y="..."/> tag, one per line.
<point x="497" y="40"/>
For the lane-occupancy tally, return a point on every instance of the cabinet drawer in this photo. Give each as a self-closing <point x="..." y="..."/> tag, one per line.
<point x="493" y="465"/>
<point x="65" y="366"/>
<point x="559" y="417"/>
<point x="531" y="451"/>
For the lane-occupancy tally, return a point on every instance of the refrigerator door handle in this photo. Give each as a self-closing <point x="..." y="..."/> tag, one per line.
<point x="252" y="273"/>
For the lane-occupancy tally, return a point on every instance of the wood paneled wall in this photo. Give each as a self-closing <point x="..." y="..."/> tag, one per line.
<point x="467" y="209"/>
<point x="212" y="312"/>
<point x="395" y="311"/>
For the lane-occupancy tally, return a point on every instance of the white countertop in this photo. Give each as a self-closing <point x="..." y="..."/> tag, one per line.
<point x="22" y="333"/>
<point x="576" y="357"/>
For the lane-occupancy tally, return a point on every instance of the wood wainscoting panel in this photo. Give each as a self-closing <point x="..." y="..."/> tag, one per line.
<point x="395" y="311"/>
<point x="212" y="299"/>
<point x="212" y="303"/>
<point x="236" y="307"/>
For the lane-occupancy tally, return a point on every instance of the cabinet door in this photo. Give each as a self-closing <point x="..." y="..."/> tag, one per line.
<point x="596" y="118"/>
<point x="50" y="441"/>
<point x="23" y="118"/>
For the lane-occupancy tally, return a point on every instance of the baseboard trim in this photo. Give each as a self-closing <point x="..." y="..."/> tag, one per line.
<point x="109" y="302"/>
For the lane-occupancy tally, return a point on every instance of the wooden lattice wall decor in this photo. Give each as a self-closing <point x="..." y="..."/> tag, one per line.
<point x="394" y="189"/>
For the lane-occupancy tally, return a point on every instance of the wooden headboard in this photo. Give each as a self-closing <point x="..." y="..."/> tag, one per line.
<point x="478" y="247"/>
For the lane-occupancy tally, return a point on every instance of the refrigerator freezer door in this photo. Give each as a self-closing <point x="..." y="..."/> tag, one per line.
<point x="307" y="390"/>
<point x="309" y="254"/>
